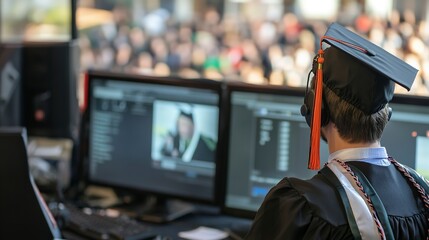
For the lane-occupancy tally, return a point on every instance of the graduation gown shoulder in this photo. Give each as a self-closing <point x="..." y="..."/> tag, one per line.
<point x="312" y="209"/>
<point x="288" y="213"/>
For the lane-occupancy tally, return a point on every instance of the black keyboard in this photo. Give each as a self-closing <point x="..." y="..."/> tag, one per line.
<point x="96" y="226"/>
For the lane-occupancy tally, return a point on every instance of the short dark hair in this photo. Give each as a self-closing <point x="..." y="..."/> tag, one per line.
<point x="353" y="125"/>
<point x="189" y="115"/>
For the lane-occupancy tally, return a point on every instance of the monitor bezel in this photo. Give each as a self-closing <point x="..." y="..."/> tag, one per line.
<point x="250" y="88"/>
<point x="205" y="84"/>
<point x="407" y="99"/>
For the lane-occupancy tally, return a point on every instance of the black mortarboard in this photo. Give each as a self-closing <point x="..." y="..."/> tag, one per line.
<point x="362" y="72"/>
<point x="357" y="71"/>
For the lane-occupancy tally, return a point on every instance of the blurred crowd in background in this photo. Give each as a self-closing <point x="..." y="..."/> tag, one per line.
<point x="228" y="47"/>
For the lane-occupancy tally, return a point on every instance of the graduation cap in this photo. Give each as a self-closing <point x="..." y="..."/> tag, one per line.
<point x="186" y="111"/>
<point x="359" y="72"/>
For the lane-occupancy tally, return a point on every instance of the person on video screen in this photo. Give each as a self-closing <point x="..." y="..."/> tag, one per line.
<point x="186" y="143"/>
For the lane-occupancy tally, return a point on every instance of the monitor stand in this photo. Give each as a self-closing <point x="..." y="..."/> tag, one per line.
<point x="159" y="210"/>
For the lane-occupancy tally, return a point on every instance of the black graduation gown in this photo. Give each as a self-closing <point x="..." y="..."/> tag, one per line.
<point x="312" y="209"/>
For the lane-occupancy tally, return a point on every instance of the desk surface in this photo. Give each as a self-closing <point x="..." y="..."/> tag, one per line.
<point x="238" y="226"/>
<point x="203" y="215"/>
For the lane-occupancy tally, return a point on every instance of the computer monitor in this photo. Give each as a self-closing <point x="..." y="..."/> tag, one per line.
<point x="10" y="86"/>
<point x="154" y="135"/>
<point x="406" y="136"/>
<point x="48" y="20"/>
<point x="268" y="140"/>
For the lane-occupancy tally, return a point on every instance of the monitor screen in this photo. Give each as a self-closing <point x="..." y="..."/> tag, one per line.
<point x="269" y="140"/>
<point x="406" y="136"/>
<point x="153" y="137"/>
<point x="42" y="20"/>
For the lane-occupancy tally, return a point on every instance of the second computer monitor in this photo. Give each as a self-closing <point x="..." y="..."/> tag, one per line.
<point x="269" y="140"/>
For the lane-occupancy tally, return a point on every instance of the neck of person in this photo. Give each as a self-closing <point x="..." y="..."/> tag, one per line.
<point x="336" y="142"/>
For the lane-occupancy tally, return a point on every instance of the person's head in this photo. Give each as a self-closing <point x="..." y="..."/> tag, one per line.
<point x="354" y="81"/>
<point x="185" y="125"/>
<point x="354" y="122"/>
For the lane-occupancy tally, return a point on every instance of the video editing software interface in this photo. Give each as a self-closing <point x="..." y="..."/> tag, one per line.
<point x="153" y="137"/>
<point x="406" y="136"/>
<point x="269" y="139"/>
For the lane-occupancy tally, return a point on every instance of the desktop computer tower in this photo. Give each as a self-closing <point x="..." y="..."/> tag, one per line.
<point x="50" y="73"/>
<point x="10" y="85"/>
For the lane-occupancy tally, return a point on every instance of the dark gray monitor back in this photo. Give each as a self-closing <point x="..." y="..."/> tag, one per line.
<point x="24" y="214"/>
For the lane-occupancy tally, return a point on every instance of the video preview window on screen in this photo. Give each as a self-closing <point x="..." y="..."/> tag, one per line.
<point x="146" y="136"/>
<point x="184" y="136"/>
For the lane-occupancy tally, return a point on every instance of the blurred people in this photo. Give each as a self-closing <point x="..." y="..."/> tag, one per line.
<point x="235" y="48"/>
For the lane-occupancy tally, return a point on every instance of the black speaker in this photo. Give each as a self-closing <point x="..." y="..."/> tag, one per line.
<point x="50" y="73"/>
<point x="10" y="85"/>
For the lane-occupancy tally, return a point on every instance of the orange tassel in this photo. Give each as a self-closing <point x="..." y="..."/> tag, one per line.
<point x="314" y="157"/>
